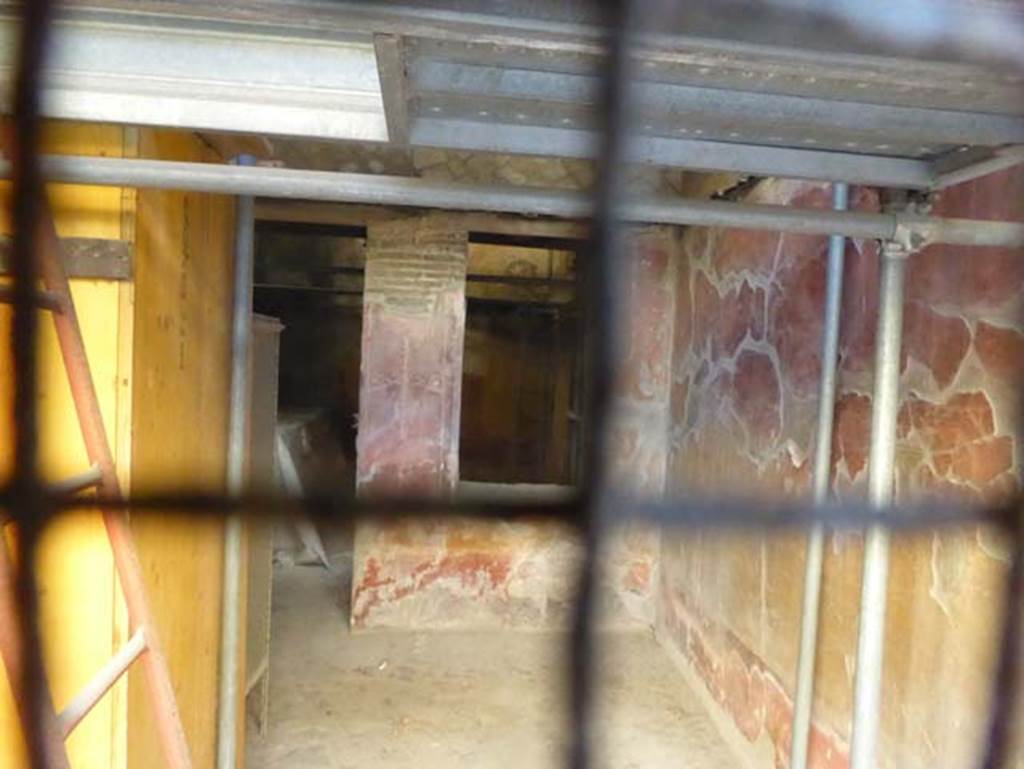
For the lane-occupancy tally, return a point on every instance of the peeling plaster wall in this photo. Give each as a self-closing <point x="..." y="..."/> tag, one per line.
<point x="744" y="397"/>
<point x="464" y="574"/>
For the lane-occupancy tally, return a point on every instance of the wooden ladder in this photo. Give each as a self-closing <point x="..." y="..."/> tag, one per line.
<point x="144" y="643"/>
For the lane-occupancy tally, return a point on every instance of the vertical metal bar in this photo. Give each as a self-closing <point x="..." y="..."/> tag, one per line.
<point x="238" y="438"/>
<point x="881" y="474"/>
<point x="603" y="283"/>
<point x="822" y="473"/>
<point x="30" y="508"/>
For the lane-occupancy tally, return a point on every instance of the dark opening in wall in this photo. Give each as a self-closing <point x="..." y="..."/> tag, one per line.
<point x="520" y="366"/>
<point x="310" y="277"/>
<point x="521" y="359"/>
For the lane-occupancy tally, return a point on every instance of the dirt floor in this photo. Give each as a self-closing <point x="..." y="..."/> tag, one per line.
<point x="481" y="700"/>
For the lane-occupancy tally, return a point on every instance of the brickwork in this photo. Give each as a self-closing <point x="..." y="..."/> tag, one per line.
<point x="411" y="368"/>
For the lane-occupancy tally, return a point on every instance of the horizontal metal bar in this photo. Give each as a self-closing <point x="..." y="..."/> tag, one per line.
<point x="101" y="683"/>
<point x="46" y="300"/>
<point x="728" y="512"/>
<point x="693" y="154"/>
<point x="770" y="113"/>
<point x="86" y="257"/>
<point x="959" y="167"/>
<point x="426" y="193"/>
<point x="76" y="483"/>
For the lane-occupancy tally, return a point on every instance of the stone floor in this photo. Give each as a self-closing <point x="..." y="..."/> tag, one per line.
<point x="481" y="700"/>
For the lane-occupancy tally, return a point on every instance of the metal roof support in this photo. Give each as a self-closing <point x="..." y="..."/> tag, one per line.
<point x="394" y="94"/>
<point x="692" y="154"/>
<point x="973" y="163"/>
<point x="867" y="695"/>
<point x="912" y="229"/>
<point x="804" y="696"/>
<point x="766" y="113"/>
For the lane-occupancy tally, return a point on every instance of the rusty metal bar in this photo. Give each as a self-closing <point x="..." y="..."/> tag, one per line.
<point x="94" y="435"/>
<point x="101" y="683"/>
<point x="44" y="300"/>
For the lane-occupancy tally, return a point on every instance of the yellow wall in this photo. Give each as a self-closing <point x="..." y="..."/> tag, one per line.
<point x="158" y="348"/>
<point x="182" y="324"/>
<point x="76" y="576"/>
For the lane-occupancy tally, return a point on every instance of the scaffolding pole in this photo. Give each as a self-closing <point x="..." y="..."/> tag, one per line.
<point x="822" y="472"/>
<point x="867" y="700"/>
<point x="238" y="440"/>
<point x="911" y="229"/>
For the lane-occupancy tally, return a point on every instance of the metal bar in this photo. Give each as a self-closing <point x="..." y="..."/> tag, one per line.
<point x="200" y="79"/>
<point x="692" y="154"/>
<point x="45" y="750"/>
<point x="13" y="657"/>
<point x="406" y="191"/>
<point x="710" y="512"/>
<point x="105" y="678"/>
<point x="804" y="696"/>
<point x="88" y="479"/>
<point x="867" y="701"/>
<point x="393" y="90"/>
<point x="948" y="172"/>
<point x="767" y="113"/>
<point x="603" y="345"/>
<point x="97" y="447"/>
<point x="238" y="440"/>
<point x="46" y="300"/>
<point x="828" y="33"/>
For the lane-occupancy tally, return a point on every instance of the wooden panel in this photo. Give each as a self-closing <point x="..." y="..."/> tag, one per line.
<point x="181" y="348"/>
<point x="262" y="432"/>
<point x="84" y="257"/>
<point x="78" y="600"/>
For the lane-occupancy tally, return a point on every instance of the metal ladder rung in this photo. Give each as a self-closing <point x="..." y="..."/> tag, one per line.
<point x="45" y="300"/>
<point x="76" y="483"/>
<point x="105" y="678"/>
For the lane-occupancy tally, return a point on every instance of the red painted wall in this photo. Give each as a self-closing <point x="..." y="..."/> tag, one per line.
<point x="744" y="398"/>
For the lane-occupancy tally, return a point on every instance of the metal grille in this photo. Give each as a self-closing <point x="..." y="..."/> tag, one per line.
<point x="32" y="504"/>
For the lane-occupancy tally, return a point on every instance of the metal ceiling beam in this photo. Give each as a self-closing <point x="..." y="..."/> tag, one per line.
<point x="973" y="163"/>
<point x="206" y="79"/>
<point x="769" y="113"/>
<point x="393" y="86"/>
<point x="425" y="193"/>
<point x="924" y="84"/>
<point x="928" y="29"/>
<point x="693" y="154"/>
